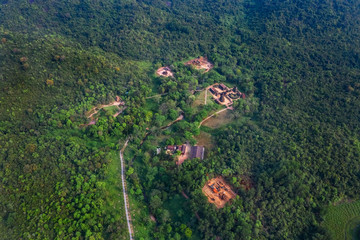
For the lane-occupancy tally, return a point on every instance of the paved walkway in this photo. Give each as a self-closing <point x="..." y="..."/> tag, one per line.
<point x="126" y="199"/>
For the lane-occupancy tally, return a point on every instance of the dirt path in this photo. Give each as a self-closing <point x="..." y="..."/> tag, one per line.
<point x="228" y="108"/>
<point x="126" y="199"/>
<point x="119" y="112"/>
<point x="184" y="194"/>
<point x="97" y="109"/>
<point x="181" y="117"/>
<point x="205" y="95"/>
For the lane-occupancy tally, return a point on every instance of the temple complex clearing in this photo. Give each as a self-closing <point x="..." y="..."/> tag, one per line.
<point x="224" y="95"/>
<point x="218" y="192"/>
<point x="164" y="72"/>
<point x="200" y="63"/>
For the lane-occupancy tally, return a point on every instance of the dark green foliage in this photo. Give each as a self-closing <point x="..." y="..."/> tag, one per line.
<point x="297" y="62"/>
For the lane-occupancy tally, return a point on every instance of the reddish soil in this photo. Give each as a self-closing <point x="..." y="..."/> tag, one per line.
<point x="200" y="63"/>
<point x="218" y="192"/>
<point x="164" y="72"/>
<point x="152" y="218"/>
<point x="185" y="196"/>
<point x="181" y="117"/>
<point x="182" y="158"/>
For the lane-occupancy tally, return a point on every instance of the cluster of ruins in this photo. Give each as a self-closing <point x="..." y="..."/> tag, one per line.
<point x="224" y="95"/>
<point x="218" y="192"/>
<point x="165" y="72"/>
<point x="200" y="63"/>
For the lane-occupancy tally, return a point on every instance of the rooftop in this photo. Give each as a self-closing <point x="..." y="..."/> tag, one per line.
<point x="197" y="152"/>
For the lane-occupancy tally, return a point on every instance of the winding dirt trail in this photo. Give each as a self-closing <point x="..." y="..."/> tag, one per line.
<point x="126" y="199"/>
<point x="228" y="108"/>
<point x="97" y="109"/>
<point x="181" y="117"/>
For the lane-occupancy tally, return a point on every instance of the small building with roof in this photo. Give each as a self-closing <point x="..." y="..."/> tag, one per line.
<point x="197" y="152"/>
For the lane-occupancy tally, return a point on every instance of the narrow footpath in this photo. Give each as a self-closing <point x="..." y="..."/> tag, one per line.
<point x="228" y="108"/>
<point x="126" y="199"/>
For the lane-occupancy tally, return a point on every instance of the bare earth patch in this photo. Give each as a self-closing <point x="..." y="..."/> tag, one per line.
<point x="200" y="63"/>
<point x="218" y="192"/>
<point x="164" y="72"/>
<point x="182" y="158"/>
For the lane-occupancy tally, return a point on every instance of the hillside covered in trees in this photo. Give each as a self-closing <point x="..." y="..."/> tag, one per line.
<point x="290" y="150"/>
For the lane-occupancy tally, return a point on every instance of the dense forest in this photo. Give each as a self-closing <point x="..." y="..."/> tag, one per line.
<point x="294" y="141"/>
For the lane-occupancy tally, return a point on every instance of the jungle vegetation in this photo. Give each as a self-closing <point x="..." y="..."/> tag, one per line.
<point x="295" y="138"/>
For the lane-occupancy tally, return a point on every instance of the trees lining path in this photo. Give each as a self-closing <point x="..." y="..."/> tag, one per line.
<point x="126" y="199"/>
<point x="228" y="108"/>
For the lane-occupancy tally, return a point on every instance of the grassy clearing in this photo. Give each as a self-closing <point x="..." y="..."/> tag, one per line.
<point x="342" y="221"/>
<point x="112" y="109"/>
<point x="114" y="198"/>
<point x="205" y="139"/>
<point x="199" y="99"/>
<point x="220" y="119"/>
<point x="141" y="219"/>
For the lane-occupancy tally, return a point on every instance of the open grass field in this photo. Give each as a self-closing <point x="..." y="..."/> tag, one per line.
<point x="112" y="109"/>
<point x="343" y="221"/>
<point x="205" y="139"/>
<point x="199" y="99"/>
<point x="219" y="120"/>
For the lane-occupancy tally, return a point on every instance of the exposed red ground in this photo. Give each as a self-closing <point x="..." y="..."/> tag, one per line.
<point x="218" y="192"/>
<point x="164" y="72"/>
<point x="200" y="63"/>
